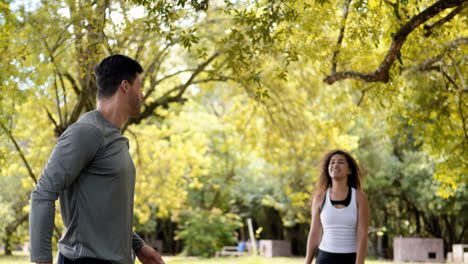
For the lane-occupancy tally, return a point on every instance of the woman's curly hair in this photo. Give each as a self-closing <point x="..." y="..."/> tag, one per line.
<point x="325" y="181"/>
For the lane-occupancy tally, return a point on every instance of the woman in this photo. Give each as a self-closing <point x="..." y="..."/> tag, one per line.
<point x="341" y="210"/>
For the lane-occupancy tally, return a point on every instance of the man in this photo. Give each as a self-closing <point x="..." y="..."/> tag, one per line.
<point x="91" y="170"/>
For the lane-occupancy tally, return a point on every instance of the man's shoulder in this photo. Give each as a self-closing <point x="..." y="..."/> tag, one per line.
<point x="91" y="118"/>
<point x="87" y="126"/>
<point x="94" y="118"/>
<point x="82" y="131"/>
<point x="84" y="128"/>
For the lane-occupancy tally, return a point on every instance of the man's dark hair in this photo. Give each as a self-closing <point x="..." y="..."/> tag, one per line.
<point x="112" y="70"/>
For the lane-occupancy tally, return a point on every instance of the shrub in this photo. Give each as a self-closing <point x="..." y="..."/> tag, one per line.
<point x="206" y="231"/>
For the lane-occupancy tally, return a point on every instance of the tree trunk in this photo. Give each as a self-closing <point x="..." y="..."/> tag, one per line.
<point x="7" y="242"/>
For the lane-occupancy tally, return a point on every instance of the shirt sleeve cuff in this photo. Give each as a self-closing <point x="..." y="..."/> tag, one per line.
<point x="137" y="242"/>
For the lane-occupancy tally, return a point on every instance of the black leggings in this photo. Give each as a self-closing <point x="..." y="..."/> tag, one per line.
<point x="324" y="257"/>
<point x="63" y="260"/>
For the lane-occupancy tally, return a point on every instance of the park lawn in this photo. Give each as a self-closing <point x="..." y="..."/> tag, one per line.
<point x="233" y="260"/>
<point x="19" y="257"/>
<point x="245" y="260"/>
<point x="249" y="260"/>
<point x="23" y="258"/>
<point x="236" y="260"/>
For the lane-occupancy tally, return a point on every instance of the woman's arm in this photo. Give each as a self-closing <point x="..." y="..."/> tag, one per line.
<point x="362" y="226"/>
<point x="315" y="233"/>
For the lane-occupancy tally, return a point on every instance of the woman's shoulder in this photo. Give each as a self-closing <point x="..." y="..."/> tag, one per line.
<point x="361" y="196"/>
<point x="318" y="198"/>
<point x="360" y="193"/>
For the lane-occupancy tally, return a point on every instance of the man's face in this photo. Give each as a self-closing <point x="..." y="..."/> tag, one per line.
<point x="135" y="97"/>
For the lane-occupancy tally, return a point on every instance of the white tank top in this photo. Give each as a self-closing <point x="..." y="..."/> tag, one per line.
<point x="339" y="226"/>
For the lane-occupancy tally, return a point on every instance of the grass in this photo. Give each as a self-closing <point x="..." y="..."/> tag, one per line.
<point x="20" y="257"/>
<point x="250" y="260"/>
<point x="233" y="260"/>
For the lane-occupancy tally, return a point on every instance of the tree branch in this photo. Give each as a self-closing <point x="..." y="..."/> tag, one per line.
<point x="450" y="80"/>
<point x="220" y="79"/>
<point x="57" y="98"/>
<point x="381" y="74"/>
<point x="135" y="137"/>
<point x="58" y="130"/>
<point x="167" y="98"/>
<point x="463" y="119"/>
<point x="427" y="65"/>
<point x="363" y="94"/>
<point x="428" y="28"/>
<point x="57" y="72"/>
<point x="82" y="100"/>
<point x="73" y="83"/>
<point x="457" y="69"/>
<point x="154" y="67"/>
<point x="26" y="163"/>
<point x="340" y="37"/>
<point x="247" y="89"/>
<point x="156" y="63"/>
<point x="462" y="232"/>
<point x="153" y="87"/>
<point x="86" y="55"/>
<point x="460" y="101"/>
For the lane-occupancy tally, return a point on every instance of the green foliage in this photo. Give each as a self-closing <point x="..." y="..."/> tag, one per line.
<point x="433" y="104"/>
<point x="205" y="232"/>
<point x="241" y="116"/>
<point x="405" y="199"/>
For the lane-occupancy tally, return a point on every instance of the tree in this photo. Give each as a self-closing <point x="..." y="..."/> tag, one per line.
<point x="433" y="83"/>
<point x="396" y="32"/>
<point x="405" y="199"/>
<point x="51" y="60"/>
<point x="236" y="115"/>
<point x="398" y="38"/>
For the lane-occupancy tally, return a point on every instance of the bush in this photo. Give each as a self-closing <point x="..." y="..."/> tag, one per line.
<point x="206" y="231"/>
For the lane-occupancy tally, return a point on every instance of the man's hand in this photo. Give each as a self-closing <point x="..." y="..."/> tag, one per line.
<point x="147" y="255"/>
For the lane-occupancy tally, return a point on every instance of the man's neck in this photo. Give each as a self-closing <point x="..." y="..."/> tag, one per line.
<point x="111" y="112"/>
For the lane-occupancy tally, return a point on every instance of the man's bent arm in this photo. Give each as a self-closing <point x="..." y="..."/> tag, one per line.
<point x="137" y="242"/>
<point x="41" y="225"/>
<point x="74" y="150"/>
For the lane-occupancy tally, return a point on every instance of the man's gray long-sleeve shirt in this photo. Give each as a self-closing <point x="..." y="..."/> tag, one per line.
<point x="91" y="170"/>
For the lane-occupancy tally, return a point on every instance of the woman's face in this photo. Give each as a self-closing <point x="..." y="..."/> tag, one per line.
<point x="338" y="167"/>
